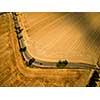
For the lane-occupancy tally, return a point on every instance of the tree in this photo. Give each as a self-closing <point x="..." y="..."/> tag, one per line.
<point x="23" y="49"/>
<point x="31" y="61"/>
<point x="18" y="31"/>
<point x="14" y="13"/>
<point x="19" y="36"/>
<point x="61" y="64"/>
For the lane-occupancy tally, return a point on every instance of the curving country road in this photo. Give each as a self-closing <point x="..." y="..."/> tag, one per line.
<point x="44" y="64"/>
<point x="14" y="72"/>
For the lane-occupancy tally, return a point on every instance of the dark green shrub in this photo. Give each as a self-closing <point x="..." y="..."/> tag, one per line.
<point x="62" y="64"/>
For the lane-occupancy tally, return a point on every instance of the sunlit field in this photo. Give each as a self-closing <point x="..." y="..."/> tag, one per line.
<point x="49" y="37"/>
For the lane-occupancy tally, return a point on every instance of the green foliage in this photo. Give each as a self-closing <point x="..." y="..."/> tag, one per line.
<point x="62" y="64"/>
<point x="23" y="49"/>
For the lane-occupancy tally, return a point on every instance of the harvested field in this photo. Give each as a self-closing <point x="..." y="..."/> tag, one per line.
<point x="54" y="36"/>
<point x="14" y="72"/>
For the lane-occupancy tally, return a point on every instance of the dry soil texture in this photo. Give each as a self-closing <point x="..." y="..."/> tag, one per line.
<point x="54" y="36"/>
<point x="46" y="32"/>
